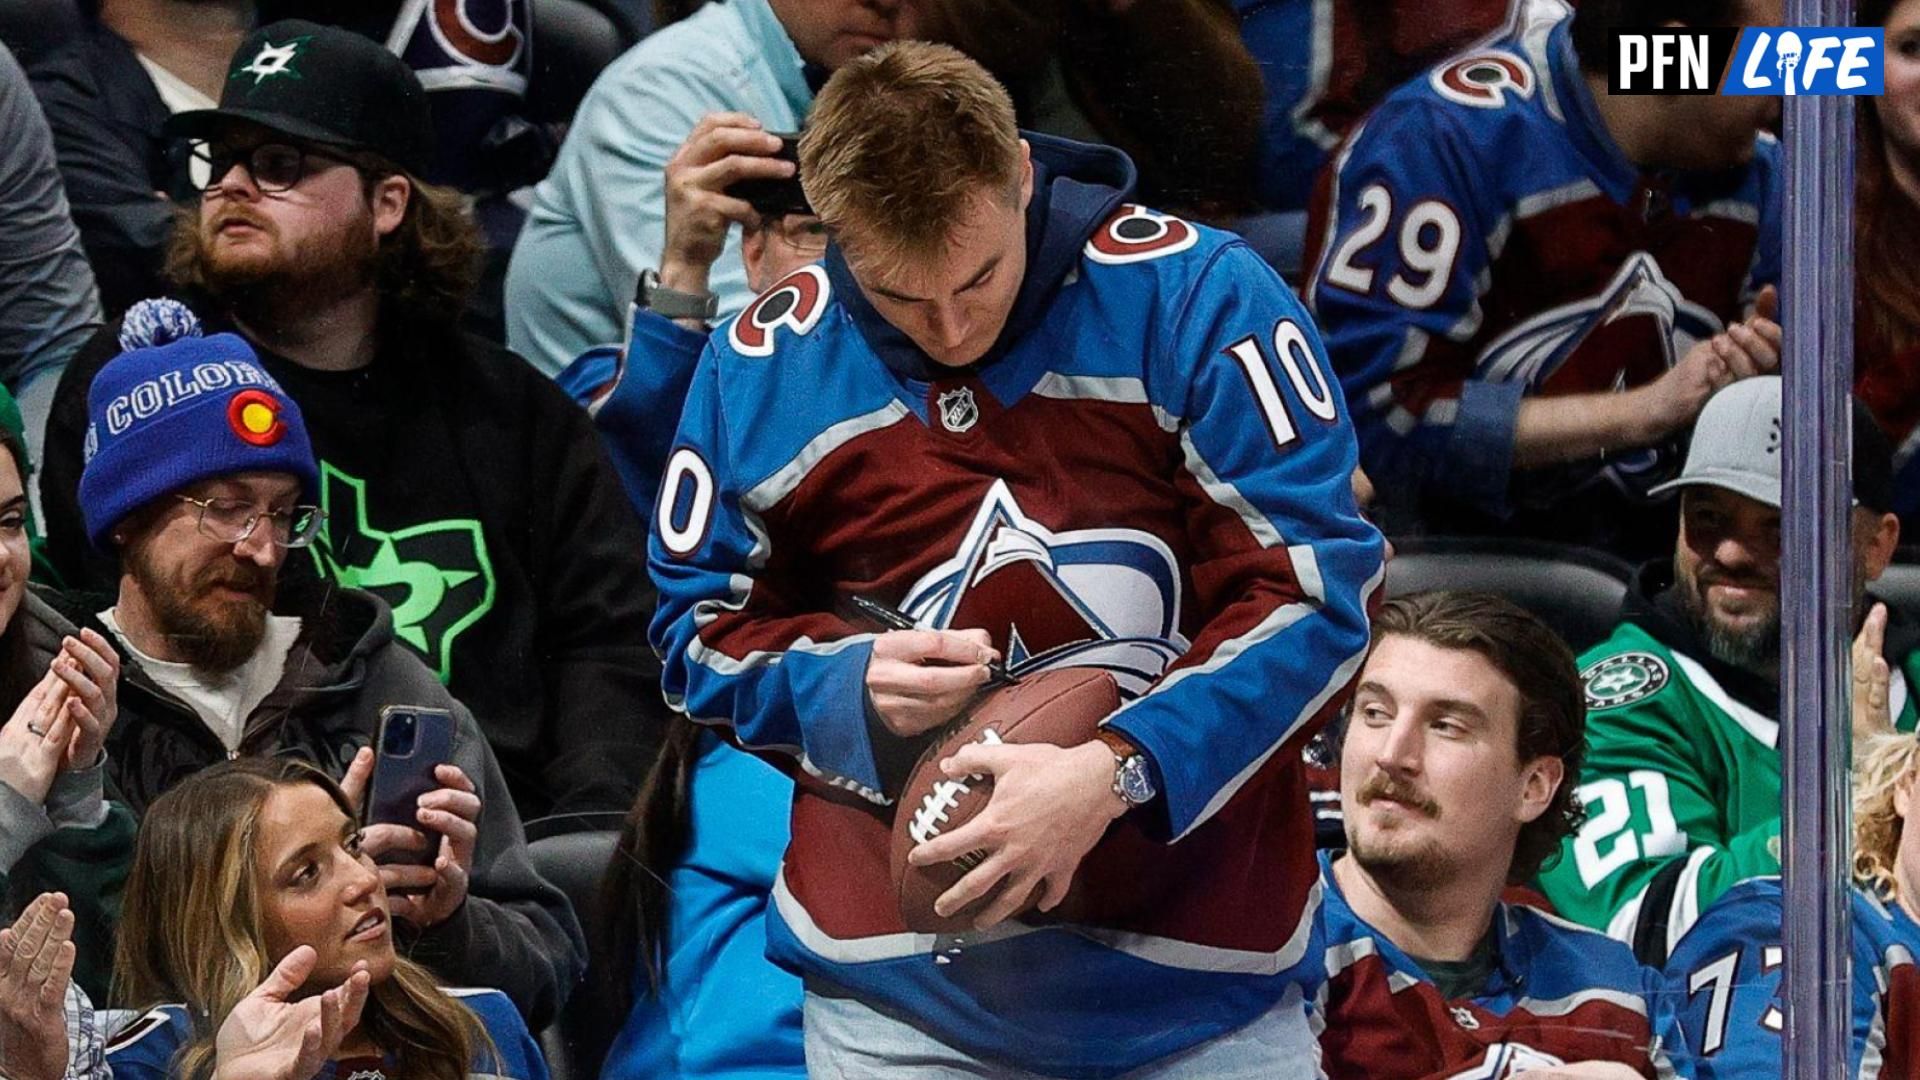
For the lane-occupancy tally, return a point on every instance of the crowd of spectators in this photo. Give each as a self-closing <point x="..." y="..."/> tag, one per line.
<point x="701" y="447"/>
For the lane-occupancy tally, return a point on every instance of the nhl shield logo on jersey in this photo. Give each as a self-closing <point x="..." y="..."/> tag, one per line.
<point x="958" y="410"/>
<point x="1624" y="679"/>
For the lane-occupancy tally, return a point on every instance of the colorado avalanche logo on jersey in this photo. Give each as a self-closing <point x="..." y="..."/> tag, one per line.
<point x="794" y="304"/>
<point x="1639" y="308"/>
<point x="1135" y="233"/>
<point x="1483" y="80"/>
<point x="1105" y="598"/>
<point x="1534" y="351"/>
<point x="466" y="43"/>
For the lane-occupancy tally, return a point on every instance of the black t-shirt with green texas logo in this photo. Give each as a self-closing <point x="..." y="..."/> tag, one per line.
<point x="469" y="493"/>
<point x="434" y="574"/>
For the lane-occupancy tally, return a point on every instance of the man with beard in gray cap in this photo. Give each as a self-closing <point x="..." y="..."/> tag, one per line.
<point x="1682" y="782"/>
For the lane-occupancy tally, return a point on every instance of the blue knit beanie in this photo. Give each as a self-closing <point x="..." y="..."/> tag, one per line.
<point x="163" y="417"/>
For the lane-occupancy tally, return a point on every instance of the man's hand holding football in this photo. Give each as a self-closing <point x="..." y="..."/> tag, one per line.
<point x="1050" y="805"/>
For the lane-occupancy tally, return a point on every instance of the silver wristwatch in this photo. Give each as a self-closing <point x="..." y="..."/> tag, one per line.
<point x="672" y="303"/>
<point x="1132" y="779"/>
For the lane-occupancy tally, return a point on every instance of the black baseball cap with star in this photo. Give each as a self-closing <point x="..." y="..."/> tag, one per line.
<point x="323" y="85"/>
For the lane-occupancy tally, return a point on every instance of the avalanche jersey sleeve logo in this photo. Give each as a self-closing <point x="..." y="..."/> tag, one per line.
<point x="793" y="304"/>
<point x="1136" y="234"/>
<point x="1483" y="80"/>
<point x="465" y="43"/>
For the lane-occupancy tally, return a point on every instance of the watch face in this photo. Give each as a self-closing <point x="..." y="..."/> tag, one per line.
<point x="1135" y="785"/>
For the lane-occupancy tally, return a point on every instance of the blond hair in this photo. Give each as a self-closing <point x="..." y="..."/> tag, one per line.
<point x="191" y="927"/>
<point x="901" y="142"/>
<point x="1876" y="825"/>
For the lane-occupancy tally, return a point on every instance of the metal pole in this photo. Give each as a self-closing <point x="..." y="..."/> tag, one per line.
<point x="1816" y="565"/>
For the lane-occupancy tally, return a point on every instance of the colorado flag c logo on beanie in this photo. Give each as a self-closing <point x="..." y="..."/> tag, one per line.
<point x="162" y="418"/>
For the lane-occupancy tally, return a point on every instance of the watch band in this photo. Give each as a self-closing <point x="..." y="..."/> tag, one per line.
<point x="1121" y="746"/>
<point x="1132" y="782"/>
<point x="672" y="303"/>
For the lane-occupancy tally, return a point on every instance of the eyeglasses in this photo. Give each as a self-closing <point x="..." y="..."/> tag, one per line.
<point x="274" y="167"/>
<point x="802" y="232"/>
<point x="231" y="521"/>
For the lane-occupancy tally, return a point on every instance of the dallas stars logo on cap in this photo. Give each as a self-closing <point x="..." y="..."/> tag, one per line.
<point x="272" y="60"/>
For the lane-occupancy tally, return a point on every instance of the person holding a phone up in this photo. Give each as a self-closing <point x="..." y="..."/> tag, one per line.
<point x="200" y="478"/>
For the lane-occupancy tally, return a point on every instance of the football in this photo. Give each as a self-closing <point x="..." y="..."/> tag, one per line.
<point x="1063" y="707"/>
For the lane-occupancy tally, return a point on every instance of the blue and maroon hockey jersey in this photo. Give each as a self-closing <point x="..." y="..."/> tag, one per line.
<point x="1559" y="994"/>
<point x="1326" y="62"/>
<point x="1725" y="977"/>
<point x="1149" y="474"/>
<point x="1481" y="238"/>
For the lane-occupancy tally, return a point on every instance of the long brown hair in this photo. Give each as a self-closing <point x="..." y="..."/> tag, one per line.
<point x="17" y="669"/>
<point x="428" y="266"/>
<point x="1886" y="228"/>
<point x="631" y="909"/>
<point x="191" y="932"/>
<point x="424" y="271"/>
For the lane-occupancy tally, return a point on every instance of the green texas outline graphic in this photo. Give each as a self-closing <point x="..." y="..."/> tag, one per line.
<point x="415" y="569"/>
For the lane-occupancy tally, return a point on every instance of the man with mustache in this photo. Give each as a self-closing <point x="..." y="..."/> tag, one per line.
<point x="200" y="475"/>
<point x="1458" y="764"/>
<point x="1683" y="780"/>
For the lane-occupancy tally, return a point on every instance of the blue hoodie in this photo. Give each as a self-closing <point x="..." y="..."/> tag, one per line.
<point x="726" y="1011"/>
<point x="1156" y="445"/>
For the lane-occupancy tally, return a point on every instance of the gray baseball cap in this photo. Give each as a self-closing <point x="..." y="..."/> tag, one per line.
<point x="1737" y="446"/>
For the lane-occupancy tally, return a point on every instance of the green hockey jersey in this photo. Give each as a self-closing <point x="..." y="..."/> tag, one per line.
<point x="1682" y="778"/>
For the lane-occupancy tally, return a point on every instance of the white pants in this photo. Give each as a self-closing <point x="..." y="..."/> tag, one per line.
<point x="846" y="1040"/>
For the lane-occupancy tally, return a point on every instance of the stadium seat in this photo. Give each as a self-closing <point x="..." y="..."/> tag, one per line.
<point x="1575" y="590"/>
<point x="572" y="43"/>
<point x="577" y="1042"/>
<point x="30" y="28"/>
<point x="1900" y="588"/>
<point x="636" y="17"/>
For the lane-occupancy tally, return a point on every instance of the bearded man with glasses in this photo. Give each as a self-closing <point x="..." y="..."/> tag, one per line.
<point x="201" y="477"/>
<point x="463" y="488"/>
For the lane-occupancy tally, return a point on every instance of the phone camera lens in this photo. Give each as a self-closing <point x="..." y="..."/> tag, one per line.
<point x="399" y="735"/>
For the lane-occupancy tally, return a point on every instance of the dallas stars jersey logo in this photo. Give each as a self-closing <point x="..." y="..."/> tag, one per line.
<point x="435" y="575"/>
<point x="1624" y="679"/>
<point x="272" y="60"/>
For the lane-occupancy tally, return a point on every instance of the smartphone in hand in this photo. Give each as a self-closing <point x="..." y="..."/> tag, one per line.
<point x="774" y="197"/>
<point x="413" y="741"/>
